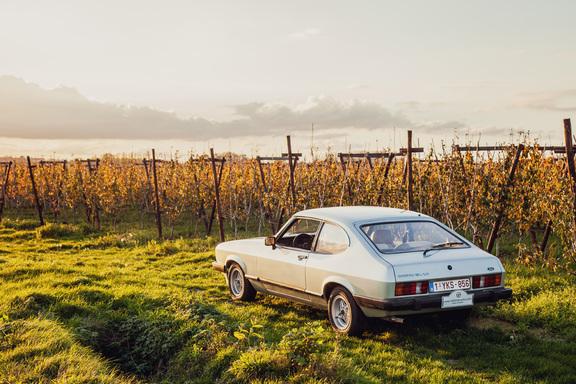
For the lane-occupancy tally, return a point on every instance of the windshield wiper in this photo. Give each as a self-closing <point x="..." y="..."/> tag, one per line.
<point x="448" y="244"/>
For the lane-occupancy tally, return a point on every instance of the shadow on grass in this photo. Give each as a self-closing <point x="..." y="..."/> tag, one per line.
<point x="462" y="346"/>
<point x="133" y="332"/>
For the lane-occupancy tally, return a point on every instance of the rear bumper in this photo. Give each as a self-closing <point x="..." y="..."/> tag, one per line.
<point x="486" y="296"/>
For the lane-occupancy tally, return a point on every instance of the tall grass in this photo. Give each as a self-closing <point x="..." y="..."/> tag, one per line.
<point x="79" y="306"/>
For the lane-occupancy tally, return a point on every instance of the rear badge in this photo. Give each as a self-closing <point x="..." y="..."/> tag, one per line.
<point x="490" y="268"/>
<point x="449" y="267"/>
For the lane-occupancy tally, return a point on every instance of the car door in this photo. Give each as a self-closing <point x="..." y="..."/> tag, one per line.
<point x="282" y="268"/>
<point x="328" y="258"/>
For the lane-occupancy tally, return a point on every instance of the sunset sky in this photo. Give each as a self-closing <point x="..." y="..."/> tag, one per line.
<point x="84" y="78"/>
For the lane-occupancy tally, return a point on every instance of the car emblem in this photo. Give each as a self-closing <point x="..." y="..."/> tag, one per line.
<point x="490" y="268"/>
<point x="449" y="267"/>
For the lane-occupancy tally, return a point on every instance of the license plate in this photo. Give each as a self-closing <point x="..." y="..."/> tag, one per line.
<point x="449" y="285"/>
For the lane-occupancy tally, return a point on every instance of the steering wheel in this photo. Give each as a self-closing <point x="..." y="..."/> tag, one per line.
<point x="303" y="240"/>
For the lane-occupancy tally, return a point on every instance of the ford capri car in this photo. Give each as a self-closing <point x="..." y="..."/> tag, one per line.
<point x="360" y="262"/>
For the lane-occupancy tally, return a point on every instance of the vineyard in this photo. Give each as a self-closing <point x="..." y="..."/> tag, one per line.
<point x="521" y="190"/>
<point x="89" y="293"/>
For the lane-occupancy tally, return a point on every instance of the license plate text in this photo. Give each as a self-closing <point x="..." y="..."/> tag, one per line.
<point x="449" y="285"/>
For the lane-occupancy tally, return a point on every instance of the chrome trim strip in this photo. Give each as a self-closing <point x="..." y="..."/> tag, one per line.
<point x="280" y="285"/>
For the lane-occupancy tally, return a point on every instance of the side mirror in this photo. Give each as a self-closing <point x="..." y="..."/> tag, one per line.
<point x="270" y="241"/>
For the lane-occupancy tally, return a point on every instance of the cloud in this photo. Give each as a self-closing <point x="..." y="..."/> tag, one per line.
<point x="563" y="101"/>
<point x="438" y="127"/>
<point x="304" y="35"/>
<point x="490" y="131"/>
<point x="31" y="112"/>
<point x="470" y="86"/>
<point x="324" y="111"/>
<point x="357" y="86"/>
<point x="419" y="106"/>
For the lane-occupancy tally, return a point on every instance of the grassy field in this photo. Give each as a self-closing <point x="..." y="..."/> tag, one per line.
<point x="83" y="307"/>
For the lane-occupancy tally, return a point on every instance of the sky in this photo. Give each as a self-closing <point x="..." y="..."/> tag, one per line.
<point x="84" y="78"/>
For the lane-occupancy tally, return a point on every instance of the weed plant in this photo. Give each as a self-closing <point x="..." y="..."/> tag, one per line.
<point x="79" y="306"/>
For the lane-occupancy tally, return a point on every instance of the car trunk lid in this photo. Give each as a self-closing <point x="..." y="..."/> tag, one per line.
<point x="443" y="264"/>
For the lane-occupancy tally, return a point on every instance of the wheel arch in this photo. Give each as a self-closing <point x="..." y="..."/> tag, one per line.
<point x="237" y="260"/>
<point x="333" y="282"/>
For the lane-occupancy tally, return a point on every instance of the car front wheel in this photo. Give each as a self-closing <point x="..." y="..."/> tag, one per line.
<point x="345" y="315"/>
<point x="240" y="287"/>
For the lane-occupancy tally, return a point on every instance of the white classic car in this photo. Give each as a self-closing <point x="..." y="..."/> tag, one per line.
<point x="363" y="262"/>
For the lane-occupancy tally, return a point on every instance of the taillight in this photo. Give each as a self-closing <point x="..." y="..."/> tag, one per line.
<point x="412" y="288"/>
<point x="486" y="281"/>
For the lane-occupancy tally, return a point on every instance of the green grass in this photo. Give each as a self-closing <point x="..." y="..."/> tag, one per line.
<point x="84" y="307"/>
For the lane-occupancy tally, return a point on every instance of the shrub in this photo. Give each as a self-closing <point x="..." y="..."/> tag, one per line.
<point x="20" y="225"/>
<point x="142" y="345"/>
<point x="54" y="231"/>
<point x="260" y="364"/>
<point x="553" y="310"/>
<point x="300" y="344"/>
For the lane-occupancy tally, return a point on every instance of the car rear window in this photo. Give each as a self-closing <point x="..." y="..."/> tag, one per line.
<point x="409" y="236"/>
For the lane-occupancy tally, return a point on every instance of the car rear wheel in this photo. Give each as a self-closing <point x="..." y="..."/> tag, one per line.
<point x="240" y="287"/>
<point x="345" y="315"/>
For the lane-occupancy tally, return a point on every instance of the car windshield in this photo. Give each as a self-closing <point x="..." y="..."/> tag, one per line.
<point x="411" y="236"/>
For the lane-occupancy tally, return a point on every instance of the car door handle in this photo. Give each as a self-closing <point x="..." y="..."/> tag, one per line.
<point x="302" y="257"/>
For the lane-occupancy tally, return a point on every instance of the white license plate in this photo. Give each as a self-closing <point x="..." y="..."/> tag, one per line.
<point x="458" y="298"/>
<point x="449" y="285"/>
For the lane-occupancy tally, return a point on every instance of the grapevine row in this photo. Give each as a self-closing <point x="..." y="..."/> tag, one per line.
<point x="463" y="189"/>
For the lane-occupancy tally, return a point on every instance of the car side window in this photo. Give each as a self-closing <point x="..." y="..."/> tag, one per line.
<point x="300" y="234"/>
<point x="332" y="239"/>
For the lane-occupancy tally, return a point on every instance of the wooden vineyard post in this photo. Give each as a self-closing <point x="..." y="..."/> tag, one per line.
<point x="81" y="183"/>
<point x="345" y="171"/>
<point x="35" y="192"/>
<point x="4" y="191"/>
<point x="148" y="183"/>
<point x="463" y="167"/>
<point x="156" y="198"/>
<point x="409" y="173"/>
<point x="90" y="201"/>
<point x="352" y="161"/>
<point x="267" y="207"/>
<point x="547" y="232"/>
<point x="503" y="197"/>
<point x="58" y="195"/>
<point x="217" y="193"/>
<point x="95" y="200"/>
<point x="388" y="164"/>
<point x="202" y="211"/>
<point x="291" y="167"/>
<point x="292" y="159"/>
<point x="213" y="210"/>
<point x="570" y="160"/>
<point x="386" y="171"/>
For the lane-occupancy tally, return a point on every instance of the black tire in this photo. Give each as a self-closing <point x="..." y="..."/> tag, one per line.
<point x="345" y="316"/>
<point x="239" y="286"/>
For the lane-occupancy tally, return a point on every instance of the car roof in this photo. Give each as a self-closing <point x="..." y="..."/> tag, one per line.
<point x="350" y="215"/>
